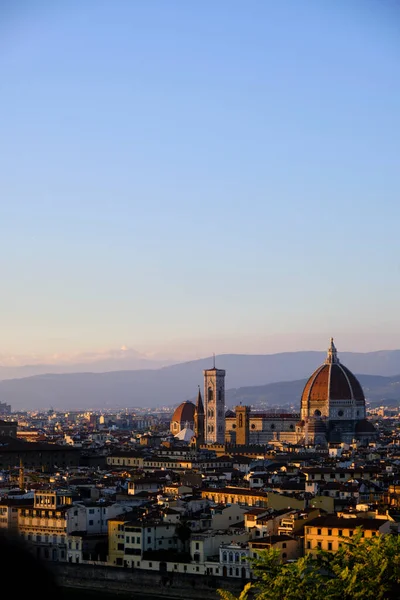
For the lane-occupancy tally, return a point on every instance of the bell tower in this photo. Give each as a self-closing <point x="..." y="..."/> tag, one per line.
<point x="214" y="397"/>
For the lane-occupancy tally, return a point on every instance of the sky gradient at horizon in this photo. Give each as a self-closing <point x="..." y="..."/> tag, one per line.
<point x="218" y="175"/>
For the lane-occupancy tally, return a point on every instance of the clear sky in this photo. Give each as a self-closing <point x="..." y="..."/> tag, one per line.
<point x="182" y="176"/>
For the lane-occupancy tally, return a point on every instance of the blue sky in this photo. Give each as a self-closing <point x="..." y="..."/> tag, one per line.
<point x="181" y="176"/>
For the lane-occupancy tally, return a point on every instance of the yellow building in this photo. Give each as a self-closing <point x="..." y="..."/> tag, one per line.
<point x="116" y="540"/>
<point x="246" y="497"/>
<point x="327" y="532"/>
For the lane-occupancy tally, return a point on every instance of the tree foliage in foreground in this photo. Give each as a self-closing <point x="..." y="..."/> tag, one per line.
<point x="362" y="569"/>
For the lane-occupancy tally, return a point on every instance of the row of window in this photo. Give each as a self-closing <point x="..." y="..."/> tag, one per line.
<point x="339" y="534"/>
<point x="233" y="557"/>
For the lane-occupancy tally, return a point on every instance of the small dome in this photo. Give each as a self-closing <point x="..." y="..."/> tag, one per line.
<point x="184" y="412"/>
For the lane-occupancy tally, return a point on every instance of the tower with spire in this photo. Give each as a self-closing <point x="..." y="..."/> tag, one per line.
<point x="214" y="398"/>
<point x="199" y="420"/>
<point x="332" y="357"/>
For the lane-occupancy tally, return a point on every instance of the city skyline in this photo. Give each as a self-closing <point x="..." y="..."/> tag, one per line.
<point x="184" y="179"/>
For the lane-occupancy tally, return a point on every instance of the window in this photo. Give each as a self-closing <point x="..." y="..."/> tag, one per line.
<point x="284" y="545"/>
<point x="340" y="532"/>
<point x="138" y="540"/>
<point x="149" y="540"/>
<point x="329" y="545"/>
<point x="272" y="426"/>
<point x="197" y="569"/>
<point x="197" y="545"/>
<point x="91" y="522"/>
<point x="150" y="565"/>
<point x="340" y="413"/>
<point x="319" y="531"/>
<point x="237" y="572"/>
<point x="120" y="546"/>
<point x="91" y="511"/>
<point x="284" y="555"/>
<point x="351" y="533"/>
<point x="127" y="539"/>
<point x="319" y="544"/>
<point x="308" y="545"/>
<point x="329" y="531"/>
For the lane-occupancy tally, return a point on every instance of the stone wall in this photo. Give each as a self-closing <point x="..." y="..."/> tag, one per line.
<point x="117" y="580"/>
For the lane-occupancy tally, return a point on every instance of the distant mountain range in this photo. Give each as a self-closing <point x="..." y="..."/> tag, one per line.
<point x="276" y="379"/>
<point x="287" y="394"/>
<point x="124" y="359"/>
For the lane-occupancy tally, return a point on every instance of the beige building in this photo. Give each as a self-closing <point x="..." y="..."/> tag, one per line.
<point x="44" y="526"/>
<point x="125" y="459"/>
<point x="289" y="548"/>
<point x="247" y="497"/>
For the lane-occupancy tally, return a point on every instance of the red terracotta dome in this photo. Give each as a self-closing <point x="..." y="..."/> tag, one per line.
<point x="332" y="381"/>
<point x="184" y="413"/>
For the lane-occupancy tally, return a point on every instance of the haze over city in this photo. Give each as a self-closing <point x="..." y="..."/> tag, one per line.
<point x="186" y="178"/>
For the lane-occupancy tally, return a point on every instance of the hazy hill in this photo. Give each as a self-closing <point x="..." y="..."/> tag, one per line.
<point x="288" y="393"/>
<point x="173" y="384"/>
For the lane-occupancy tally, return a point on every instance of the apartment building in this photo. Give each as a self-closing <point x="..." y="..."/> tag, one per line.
<point x="328" y="532"/>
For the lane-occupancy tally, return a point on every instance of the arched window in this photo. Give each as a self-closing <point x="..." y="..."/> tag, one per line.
<point x="284" y="555"/>
<point x="210" y="395"/>
<point x="272" y="426"/>
<point x="240" y="420"/>
<point x="224" y="556"/>
<point x="237" y="557"/>
<point x="230" y="556"/>
<point x="317" y="413"/>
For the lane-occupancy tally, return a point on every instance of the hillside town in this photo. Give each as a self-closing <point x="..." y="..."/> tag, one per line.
<point x="203" y="489"/>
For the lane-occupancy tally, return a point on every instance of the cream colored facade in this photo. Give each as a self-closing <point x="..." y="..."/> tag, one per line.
<point x="120" y="460"/>
<point x="45" y="525"/>
<point x="246" y="497"/>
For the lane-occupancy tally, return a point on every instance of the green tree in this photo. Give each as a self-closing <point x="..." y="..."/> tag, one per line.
<point x="362" y="569"/>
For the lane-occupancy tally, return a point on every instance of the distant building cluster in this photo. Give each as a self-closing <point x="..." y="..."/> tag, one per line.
<point x="203" y="491"/>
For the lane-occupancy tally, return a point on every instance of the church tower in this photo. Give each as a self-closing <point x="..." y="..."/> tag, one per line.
<point x="199" y="420"/>
<point x="242" y="425"/>
<point x="214" y="395"/>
